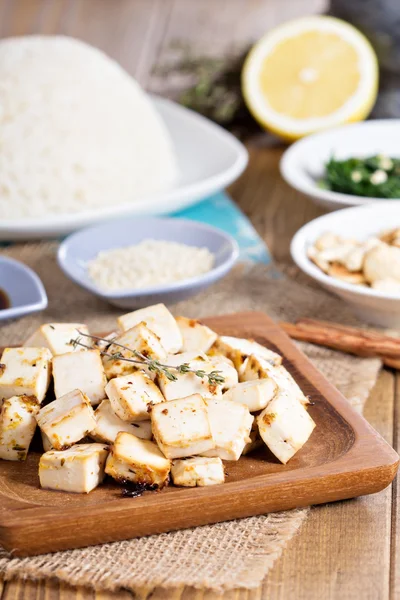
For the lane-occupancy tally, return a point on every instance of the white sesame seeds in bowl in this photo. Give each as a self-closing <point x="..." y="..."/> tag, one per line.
<point x="303" y="164"/>
<point x="140" y="261"/>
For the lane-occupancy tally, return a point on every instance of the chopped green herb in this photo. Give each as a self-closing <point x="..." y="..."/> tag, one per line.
<point x="375" y="177"/>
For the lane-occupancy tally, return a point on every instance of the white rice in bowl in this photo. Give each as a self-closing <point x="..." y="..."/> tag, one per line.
<point x="76" y="131"/>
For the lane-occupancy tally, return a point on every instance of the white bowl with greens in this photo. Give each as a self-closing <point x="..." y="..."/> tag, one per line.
<point x="351" y="165"/>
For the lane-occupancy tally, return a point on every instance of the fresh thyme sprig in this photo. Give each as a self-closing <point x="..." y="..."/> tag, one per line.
<point x="155" y="366"/>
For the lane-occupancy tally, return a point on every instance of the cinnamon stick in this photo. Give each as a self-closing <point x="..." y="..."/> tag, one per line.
<point x="346" y="339"/>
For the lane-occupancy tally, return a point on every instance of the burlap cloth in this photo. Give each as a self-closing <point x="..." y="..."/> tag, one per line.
<point x="237" y="554"/>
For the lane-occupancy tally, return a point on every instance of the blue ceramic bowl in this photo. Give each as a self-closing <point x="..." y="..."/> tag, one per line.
<point x="81" y="247"/>
<point x="22" y="287"/>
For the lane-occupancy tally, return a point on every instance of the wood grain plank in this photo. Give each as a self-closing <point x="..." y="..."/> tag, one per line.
<point x="337" y="550"/>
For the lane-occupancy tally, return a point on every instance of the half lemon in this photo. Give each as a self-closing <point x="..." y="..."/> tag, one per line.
<point x="310" y="74"/>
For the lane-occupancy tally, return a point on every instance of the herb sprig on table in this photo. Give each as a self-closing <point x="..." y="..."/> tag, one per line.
<point x="375" y="177"/>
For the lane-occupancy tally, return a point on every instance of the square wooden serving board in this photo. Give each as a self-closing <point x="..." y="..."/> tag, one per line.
<point x="344" y="458"/>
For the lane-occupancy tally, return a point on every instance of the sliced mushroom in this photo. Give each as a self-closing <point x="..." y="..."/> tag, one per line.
<point x="327" y="240"/>
<point x="339" y="271"/>
<point x="314" y="256"/>
<point x="382" y="262"/>
<point x="389" y="286"/>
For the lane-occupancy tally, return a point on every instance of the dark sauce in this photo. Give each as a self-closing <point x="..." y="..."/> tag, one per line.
<point x="4" y="300"/>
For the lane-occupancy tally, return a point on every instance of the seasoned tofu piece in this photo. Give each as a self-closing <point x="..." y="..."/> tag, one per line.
<point x="160" y="321"/>
<point x="46" y="442"/>
<point x="230" y="428"/>
<point x="181" y="427"/>
<point x="17" y="426"/>
<point x="136" y="460"/>
<point x="131" y="395"/>
<point x="80" y="370"/>
<point x="187" y="384"/>
<point x="256" y="368"/>
<point x="254" y="394"/>
<point x="238" y="349"/>
<point x="25" y="371"/>
<point x="57" y="337"/>
<point x="79" y="469"/>
<point x="67" y="420"/>
<point x="226" y="369"/>
<point x="198" y="471"/>
<point x="285" y="426"/>
<point x="108" y="425"/>
<point x="196" y="336"/>
<point x="255" y="440"/>
<point x="139" y="339"/>
<point x="104" y="343"/>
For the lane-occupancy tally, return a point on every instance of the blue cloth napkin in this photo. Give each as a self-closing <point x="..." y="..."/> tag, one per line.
<point x="220" y="211"/>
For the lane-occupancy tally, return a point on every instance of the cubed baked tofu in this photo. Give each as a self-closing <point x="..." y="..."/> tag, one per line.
<point x="79" y="469"/>
<point x="131" y="395"/>
<point x="104" y="343"/>
<point x="67" y="420"/>
<point x="181" y="427"/>
<point x="45" y="442"/>
<point x="108" y="425"/>
<point x="138" y="338"/>
<point x="255" y="440"/>
<point x="196" y="336"/>
<point x="80" y="370"/>
<point x="254" y="394"/>
<point x="57" y="337"/>
<point x="226" y="369"/>
<point x="187" y="384"/>
<point x="230" y="428"/>
<point x="285" y="426"/>
<point x="17" y="426"/>
<point x="160" y="321"/>
<point x="198" y="471"/>
<point x="238" y="349"/>
<point x="25" y="371"/>
<point x="255" y="368"/>
<point x="136" y="460"/>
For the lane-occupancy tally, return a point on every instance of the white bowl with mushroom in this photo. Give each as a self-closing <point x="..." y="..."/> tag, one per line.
<point x="347" y="254"/>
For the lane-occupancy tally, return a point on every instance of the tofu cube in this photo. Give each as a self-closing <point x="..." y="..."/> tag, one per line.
<point x="285" y="426"/>
<point x="255" y="440"/>
<point x="108" y="425"/>
<point x="254" y="394"/>
<point x="132" y="395"/>
<point x="45" y="442"/>
<point x="255" y="368"/>
<point x="187" y="384"/>
<point x="160" y="321"/>
<point x="196" y="336"/>
<point x="139" y="338"/>
<point x="198" y="471"/>
<point x="57" y="337"/>
<point x="238" y="349"/>
<point x="181" y="427"/>
<point x="104" y="343"/>
<point x="230" y="428"/>
<point x="25" y="372"/>
<point x="17" y="426"/>
<point x="67" y="420"/>
<point x="136" y="460"/>
<point x="79" y="469"/>
<point x="80" y="370"/>
<point x="226" y="369"/>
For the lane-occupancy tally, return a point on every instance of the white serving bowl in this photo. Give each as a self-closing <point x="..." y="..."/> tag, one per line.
<point x="303" y="164"/>
<point x="209" y="159"/>
<point x="359" y="222"/>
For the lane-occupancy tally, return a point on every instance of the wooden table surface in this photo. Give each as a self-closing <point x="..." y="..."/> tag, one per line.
<point x="347" y="550"/>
